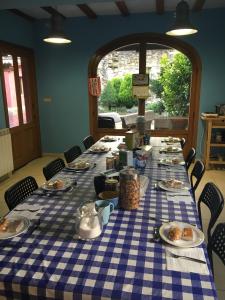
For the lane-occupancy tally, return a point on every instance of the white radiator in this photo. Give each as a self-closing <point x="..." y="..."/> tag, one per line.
<point x="6" y="158"/>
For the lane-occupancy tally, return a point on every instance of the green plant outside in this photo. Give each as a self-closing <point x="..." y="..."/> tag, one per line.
<point x="118" y="93"/>
<point x="173" y="84"/>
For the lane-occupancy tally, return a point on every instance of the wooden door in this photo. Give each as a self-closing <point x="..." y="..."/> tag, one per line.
<point x="20" y="100"/>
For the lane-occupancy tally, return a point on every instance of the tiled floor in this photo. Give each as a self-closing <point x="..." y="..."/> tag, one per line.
<point x="34" y="168"/>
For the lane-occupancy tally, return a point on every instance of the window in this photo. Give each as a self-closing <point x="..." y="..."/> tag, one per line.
<point x="17" y="89"/>
<point x="161" y="120"/>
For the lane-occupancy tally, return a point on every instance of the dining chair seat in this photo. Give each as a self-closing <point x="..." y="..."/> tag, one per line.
<point x="53" y="168"/>
<point x="212" y="197"/>
<point x="217" y="244"/>
<point x="72" y="153"/>
<point x="20" y="191"/>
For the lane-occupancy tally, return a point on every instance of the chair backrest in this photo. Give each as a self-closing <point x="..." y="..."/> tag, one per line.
<point x="196" y="174"/>
<point x="20" y="191"/>
<point x="213" y="199"/>
<point x="53" y="168"/>
<point x="182" y="143"/>
<point x="88" y="141"/>
<point x="190" y="157"/>
<point x="217" y="243"/>
<point x="72" y="153"/>
<point x="106" y="122"/>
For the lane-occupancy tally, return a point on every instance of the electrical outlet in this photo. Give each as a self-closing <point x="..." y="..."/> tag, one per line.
<point x="48" y="99"/>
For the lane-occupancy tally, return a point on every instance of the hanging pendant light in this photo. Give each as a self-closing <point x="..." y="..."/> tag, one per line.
<point x="57" y="35"/>
<point x="182" y="24"/>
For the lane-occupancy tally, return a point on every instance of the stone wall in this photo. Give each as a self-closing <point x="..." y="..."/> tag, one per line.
<point x="118" y="63"/>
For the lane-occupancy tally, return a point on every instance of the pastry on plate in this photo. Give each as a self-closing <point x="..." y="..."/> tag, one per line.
<point x="4" y="225"/>
<point x="80" y="164"/>
<point x="55" y="184"/>
<point x="173" y="183"/>
<point x="187" y="234"/>
<point x="175" y="233"/>
<point x="58" y="184"/>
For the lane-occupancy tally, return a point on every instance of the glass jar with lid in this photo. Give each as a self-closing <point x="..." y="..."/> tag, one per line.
<point x="129" y="195"/>
<point x="109" y="162"/>
<point x="111" y="184"/>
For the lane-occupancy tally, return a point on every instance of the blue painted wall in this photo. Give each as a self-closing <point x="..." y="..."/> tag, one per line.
<point x="16" y="30"/>
<point x="62" y="70"/>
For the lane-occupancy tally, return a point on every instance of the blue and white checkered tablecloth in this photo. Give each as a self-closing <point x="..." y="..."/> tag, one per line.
<point x="47" y="262"/>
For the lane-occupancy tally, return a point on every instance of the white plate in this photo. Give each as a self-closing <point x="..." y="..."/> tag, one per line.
<point x="99" y="150"/>
<point x="169" y="162"/>
<point x="198" y="235"/>
<point x="109" y="139"/>
<point x="67" y="184"/>
<point x="72" y="166"/>
<point x="172" y="150"/>
<point x="23" y="225"/>
<point x="172" y="140"/>
<point x="173" y="190"/>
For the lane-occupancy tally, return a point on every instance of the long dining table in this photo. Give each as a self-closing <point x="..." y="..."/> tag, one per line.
<point x="124" y="262"/>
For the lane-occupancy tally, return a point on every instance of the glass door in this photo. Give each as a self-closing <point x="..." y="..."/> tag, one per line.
<point x="19" y="91"/>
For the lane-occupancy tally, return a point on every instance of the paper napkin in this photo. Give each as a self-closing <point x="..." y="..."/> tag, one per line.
<point x="29" y="211"/>
<point x="184" y="265"/>
<point x="182" y="197"/>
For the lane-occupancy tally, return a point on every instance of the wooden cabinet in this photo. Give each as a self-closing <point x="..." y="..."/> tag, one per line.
<point x="214" y="141"/>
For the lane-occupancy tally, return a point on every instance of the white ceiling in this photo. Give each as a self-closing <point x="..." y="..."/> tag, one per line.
<point x="69" y="8"/>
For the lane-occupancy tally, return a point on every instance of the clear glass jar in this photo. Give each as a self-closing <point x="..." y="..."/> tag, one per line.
<point x="111" y="184"/>
<point x="129" y="195"/>
<point x="88" y="222"/>
<point x="109" y="162"/>
<point x="140" y="124"/>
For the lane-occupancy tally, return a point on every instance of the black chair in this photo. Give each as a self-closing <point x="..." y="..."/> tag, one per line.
<point x="106" y="122"/>
<point x="20" y="191"/>
<point x="196" y="174"/>
<point x="213" y="199"/>
<point x="217" y="244"/>
<point x="53" y="168"/>
<point x="88" y="142"/>
<point x="190" y="157"/>
<point x="72" y="153"/>
<point x="182" y="143"/>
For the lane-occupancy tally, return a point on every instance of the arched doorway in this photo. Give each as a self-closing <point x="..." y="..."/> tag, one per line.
<point x="142" y="41"/>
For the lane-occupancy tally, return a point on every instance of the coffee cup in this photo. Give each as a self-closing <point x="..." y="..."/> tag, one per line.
<point x="104" y="207"/>
<point x="111" y="196"/>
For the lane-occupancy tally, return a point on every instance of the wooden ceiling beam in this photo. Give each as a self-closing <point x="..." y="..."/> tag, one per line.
<point x="87" y="11"/>
<point x="160" y="8"/>
<point x="22" y="15"/>
<point x="123" y="8"/>
<point x="52" y="11"/>
<point x="198" y="5"/>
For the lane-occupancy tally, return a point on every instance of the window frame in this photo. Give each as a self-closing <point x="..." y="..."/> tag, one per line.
<point x="143" y="39"/>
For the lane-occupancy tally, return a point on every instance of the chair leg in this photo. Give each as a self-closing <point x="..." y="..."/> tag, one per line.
<point x="211" y="260"/>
